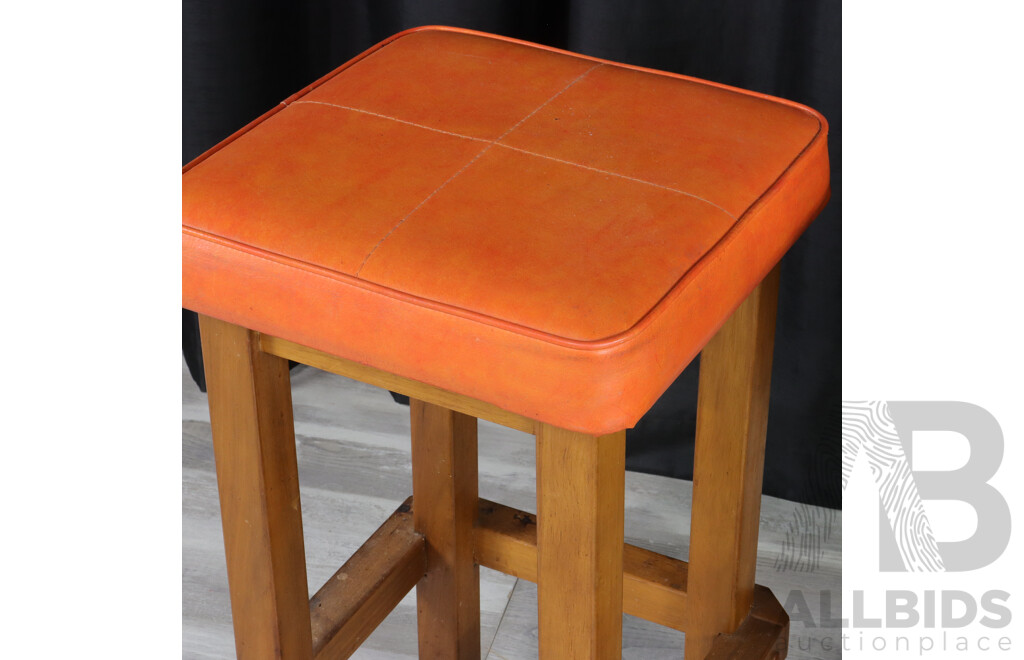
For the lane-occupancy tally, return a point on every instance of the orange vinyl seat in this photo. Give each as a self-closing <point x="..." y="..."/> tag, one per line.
<point x="552" y="234"/>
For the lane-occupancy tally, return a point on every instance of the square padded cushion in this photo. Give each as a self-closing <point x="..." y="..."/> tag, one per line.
<point x="550" y="233"/>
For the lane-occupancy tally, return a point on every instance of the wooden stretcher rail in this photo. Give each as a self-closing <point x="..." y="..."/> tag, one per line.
<point x="654" y="586"/>
<point x="411" y="388"/>
<point x="361" y="593"/>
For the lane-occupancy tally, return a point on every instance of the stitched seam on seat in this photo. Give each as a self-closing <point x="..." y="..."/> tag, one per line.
<point x="520" y="150"/>
<point x="475" y="158"/>
<point x="400" y="121"/>
<point x="621" y="176"/>
<point x="417" y="207"/>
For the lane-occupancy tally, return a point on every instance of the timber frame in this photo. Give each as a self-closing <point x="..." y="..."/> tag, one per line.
<point x="573" y="547"/>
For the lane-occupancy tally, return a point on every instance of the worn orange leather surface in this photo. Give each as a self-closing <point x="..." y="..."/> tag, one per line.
<point x="554" y="234"/>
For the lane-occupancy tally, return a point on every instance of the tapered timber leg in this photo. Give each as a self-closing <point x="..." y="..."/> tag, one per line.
<point x="732" y="415"/>
<point x="445" y="506"/>
<point x="580" y="505"/>
<point x="254" y="447"/>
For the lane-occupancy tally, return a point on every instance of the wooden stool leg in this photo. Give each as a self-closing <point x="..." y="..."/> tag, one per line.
<point x="732" y="416"/>
<point x="254" y="448"/>
<point x="445" y="507"/>
<point x="580" y="508"/>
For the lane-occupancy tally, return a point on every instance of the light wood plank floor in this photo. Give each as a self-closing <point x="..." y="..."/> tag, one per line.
<point x="353" y="452"/>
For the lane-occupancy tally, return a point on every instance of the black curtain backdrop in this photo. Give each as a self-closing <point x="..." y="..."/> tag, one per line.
<point x="242" y="58"/>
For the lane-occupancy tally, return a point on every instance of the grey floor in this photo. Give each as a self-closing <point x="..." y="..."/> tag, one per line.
<point x="353" y="452"/>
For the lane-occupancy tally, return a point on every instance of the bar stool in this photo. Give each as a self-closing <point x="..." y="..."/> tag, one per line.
<point x="515" y="233"/>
